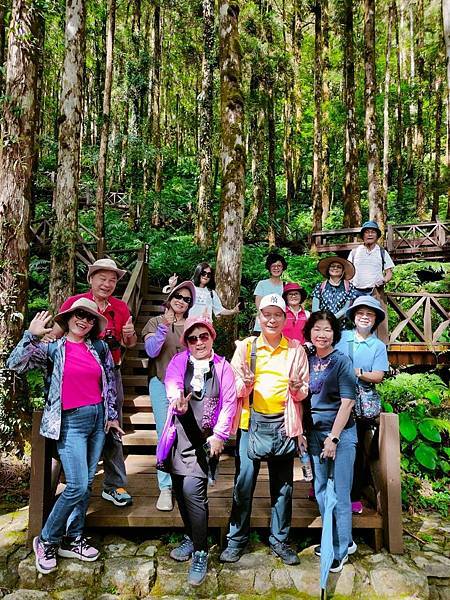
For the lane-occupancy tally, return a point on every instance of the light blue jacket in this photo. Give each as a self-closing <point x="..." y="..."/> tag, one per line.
<point x="31" y="353"/>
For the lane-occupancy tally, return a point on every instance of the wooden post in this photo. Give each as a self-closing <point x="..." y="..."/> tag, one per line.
<point x="41" y="492"/>
<point x="146" y="259"/>
<point x="390" y="483"/>
<point x="390" y="239"/>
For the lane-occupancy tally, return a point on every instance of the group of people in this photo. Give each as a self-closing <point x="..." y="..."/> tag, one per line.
<point x="277" y="398"/>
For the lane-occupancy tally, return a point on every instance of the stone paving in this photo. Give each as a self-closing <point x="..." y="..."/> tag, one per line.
<point x="129" y="570"/>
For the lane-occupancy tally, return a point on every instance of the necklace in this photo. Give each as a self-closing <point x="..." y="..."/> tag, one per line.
<point x="319" y="370"/>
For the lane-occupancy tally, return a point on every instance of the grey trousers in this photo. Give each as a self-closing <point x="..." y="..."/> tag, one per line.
<point x="113" y="461"/>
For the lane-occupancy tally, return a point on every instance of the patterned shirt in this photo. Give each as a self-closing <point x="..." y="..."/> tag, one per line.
<point x="334" y="298"/>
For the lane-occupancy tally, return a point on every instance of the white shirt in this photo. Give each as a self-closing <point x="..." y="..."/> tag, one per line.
<point x="368" y="265"/>
<point x="206" y="302"/>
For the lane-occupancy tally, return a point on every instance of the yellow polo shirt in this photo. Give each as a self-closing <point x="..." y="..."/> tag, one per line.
<point x="271" y="381"/>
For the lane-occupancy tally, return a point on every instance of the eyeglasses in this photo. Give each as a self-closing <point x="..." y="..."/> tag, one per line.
<point x="205" y="273"/>
<point x="82" y="314"/>
<point x="203" y="337"/>
<point x="336" y="266"/>
<point x="186" y="299"/>
<point x="292" y="294"/>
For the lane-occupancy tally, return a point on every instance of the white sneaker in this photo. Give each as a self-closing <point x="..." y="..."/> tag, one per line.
<point x="165" y="501"/>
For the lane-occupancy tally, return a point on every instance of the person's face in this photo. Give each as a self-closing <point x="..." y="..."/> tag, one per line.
<point x="322" y="335"/>
<point x="276" y="268"/>
<point x="335" y="269"/>
<point x="205" y="276"/>
<point x="103" y="284"/>
<point x="80" y="323"/>
<point x="272" y="320"/>
<point x="365" y="318"/>
<point x="370" y="236"/>
<point x="181" y="301"/>
<point x="293" y="299"/>
<point x="200" y="342"/>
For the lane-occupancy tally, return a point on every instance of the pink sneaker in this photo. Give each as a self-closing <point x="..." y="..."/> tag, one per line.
<point x="45" y="556"/>
<point x="78" y="548"/>
<point x="357" y="507"/>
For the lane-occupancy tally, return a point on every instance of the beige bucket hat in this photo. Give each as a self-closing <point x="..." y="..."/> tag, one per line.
<point x="83" y="304"/>
<point x="105" y="264"/>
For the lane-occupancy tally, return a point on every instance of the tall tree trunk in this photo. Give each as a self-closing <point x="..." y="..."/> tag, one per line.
<point x="103" y="153"/>
<point x="297" y="37"/>
<point x="2" y="42"/>
<point x="156" y="112"/>
<point x="351" y="192"/>
<point x="271" y="143"/>
<point x="399" y="112"/>
<point x="420" y="60"/>
<point x="446" y="29"/>
<point x="437" y="149"/>
<point x="230" y="236"/>
<point x="257" y="133"/>
<point x="205" y="196"/>
<point x="325" y="177"/>
<point x="62" y="266"/>
<point x="377" y="208"/>
<point x="17" y="147"/>
<point x="316" y="190"/>
<point x="411" y="134"/>
<point x="387" y="86"/>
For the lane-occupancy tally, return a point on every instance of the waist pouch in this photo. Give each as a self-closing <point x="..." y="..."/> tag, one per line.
<point x="267" y="439"/>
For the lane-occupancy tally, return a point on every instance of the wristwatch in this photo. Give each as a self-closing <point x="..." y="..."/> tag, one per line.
<point x="335" y="440"/>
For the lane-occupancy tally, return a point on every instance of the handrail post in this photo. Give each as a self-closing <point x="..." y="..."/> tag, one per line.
<point x="390" y="482"/>
<point x="146" y="258"/>
<point x="390" y="238"/>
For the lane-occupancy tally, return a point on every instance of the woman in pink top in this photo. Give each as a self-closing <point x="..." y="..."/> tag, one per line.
<point x="80" y="407"/>
<point x="296" y="315"/>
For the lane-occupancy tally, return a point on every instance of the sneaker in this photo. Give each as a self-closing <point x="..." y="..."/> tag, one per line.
<point x="352" y="547"/>
<point x="231" y="554"/>
<point x="283" y="551"/>
<point x="78" y="547"/>
<point x="118" y="496"/>
<point x="165" y="501"/>
<point x="311" y="494"/>
<point x="357" y="507"/>
<point x="199" y="568"/>
<point x="184" y="551"/>
<point x="45" y="553"/>
<point x="338" y="565"/>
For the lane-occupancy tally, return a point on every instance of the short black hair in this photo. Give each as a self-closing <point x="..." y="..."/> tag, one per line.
<point x="196" y="277"/>
<point x="323" y="315"/>
<point x="274" y="257"/>
<point x="92" y="335"/>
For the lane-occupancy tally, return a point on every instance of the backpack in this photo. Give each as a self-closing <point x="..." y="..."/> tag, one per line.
<point x="324" y="283"/>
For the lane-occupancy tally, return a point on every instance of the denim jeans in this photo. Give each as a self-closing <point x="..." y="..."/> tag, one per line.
<point x="79" y="447"/>
<point x="113" y="461"/>
<point x="281" y="473"/>
<point x="160" y="405"/>
<point x="343" y="477"/>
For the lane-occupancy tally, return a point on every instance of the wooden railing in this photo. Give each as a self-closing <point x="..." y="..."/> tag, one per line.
<point x="138" y="283"/>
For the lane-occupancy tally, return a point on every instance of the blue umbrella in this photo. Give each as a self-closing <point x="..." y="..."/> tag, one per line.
<point x="326" y="541"/>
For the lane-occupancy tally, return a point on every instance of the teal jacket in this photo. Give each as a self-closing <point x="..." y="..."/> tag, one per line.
<point x="31" y="353"/>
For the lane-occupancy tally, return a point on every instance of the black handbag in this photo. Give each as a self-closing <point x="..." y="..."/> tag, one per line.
<point x="267" y="439"/>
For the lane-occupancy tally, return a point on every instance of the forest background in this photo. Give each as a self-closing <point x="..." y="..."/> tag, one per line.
<point x="225" y="128"/>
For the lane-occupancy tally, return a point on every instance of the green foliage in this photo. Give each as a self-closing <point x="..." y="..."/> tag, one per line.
<point x="35" y="386"/>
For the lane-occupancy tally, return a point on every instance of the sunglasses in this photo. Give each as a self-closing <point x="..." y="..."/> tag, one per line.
<point x="205" y="273"/>
<point x="82" y="314"/>
<point x="186" y="299"/>
<point x="203" y="337"/>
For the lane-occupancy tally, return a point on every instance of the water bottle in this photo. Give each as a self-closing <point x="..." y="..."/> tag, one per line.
<point x="306" y="466"/>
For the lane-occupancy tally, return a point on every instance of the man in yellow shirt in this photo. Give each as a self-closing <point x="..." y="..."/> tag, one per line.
<point x="278" y="384"/>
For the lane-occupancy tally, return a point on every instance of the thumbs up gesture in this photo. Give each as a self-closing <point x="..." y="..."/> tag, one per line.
<point x="128" y="329"/>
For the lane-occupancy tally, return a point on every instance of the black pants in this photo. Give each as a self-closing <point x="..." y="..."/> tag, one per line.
<point x="192" y="500"/>
<point x="361" y="471"/>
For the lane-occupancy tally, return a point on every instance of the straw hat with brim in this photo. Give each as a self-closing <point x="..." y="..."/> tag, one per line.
<point x="324" y="265"/>
<point x="86" y="305"/>
<point x="370" y="302"/>
<point x="184" y="284"/>
<point x="200" y="321"/>
<point x="294" y="287"/>
<point x="105" y="264"/>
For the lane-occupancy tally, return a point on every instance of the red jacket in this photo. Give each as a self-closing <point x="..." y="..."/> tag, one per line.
<point x="294" y="326"/>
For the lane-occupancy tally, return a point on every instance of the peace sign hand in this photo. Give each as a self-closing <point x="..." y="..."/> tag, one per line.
<point x="249" y="377"/>
<point x="181" y="404"/>
<point x="38" y="325"/>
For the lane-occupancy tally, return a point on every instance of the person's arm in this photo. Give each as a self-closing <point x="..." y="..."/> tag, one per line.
<point x="30" y="352"/>
<point x="258" y="302"/>
<point x="128" y="333"/>
<point x="341" y="313"/>
<point x="370" y="376"/>
<point x="174" y="379"/>
<point x="387" y="275"/>
<point x="299" y="376"/>
<point x="315" y="304"/>
<point x="342" y="417"/>
<point x="218" y="308"/>
<point x="244" y="378"/>
<point x="222" y="428"/>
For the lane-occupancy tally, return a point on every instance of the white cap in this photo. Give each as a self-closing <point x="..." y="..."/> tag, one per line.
<point x="273" y="300"/>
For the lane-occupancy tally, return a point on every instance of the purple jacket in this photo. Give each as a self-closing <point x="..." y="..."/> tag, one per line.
<point x="226" y="407"/>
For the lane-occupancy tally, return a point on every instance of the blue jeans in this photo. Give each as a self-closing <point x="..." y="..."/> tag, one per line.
<point x="343" y="478"/>
<point x="160" y="405"/>
<point x="79" y="447"/>
<point x="281" y="473"/>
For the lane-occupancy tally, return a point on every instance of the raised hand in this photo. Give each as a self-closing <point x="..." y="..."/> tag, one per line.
<point x="38" y="325"/>
<point x="173" y="280"/>
<point x="182" y="403"/>
<point x="249" y="377"/>
<point x="169" y="316"/>
<point x="236" y="308"/>
<point x="128" y="329"/>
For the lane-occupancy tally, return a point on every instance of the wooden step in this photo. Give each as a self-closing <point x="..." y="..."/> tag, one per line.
<point x="139" y="418"/>
<point x="133" y="381"/>
<point x="139" y="402"/>
<point x="145" y="437"/>
<point x="134" y="362"/>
